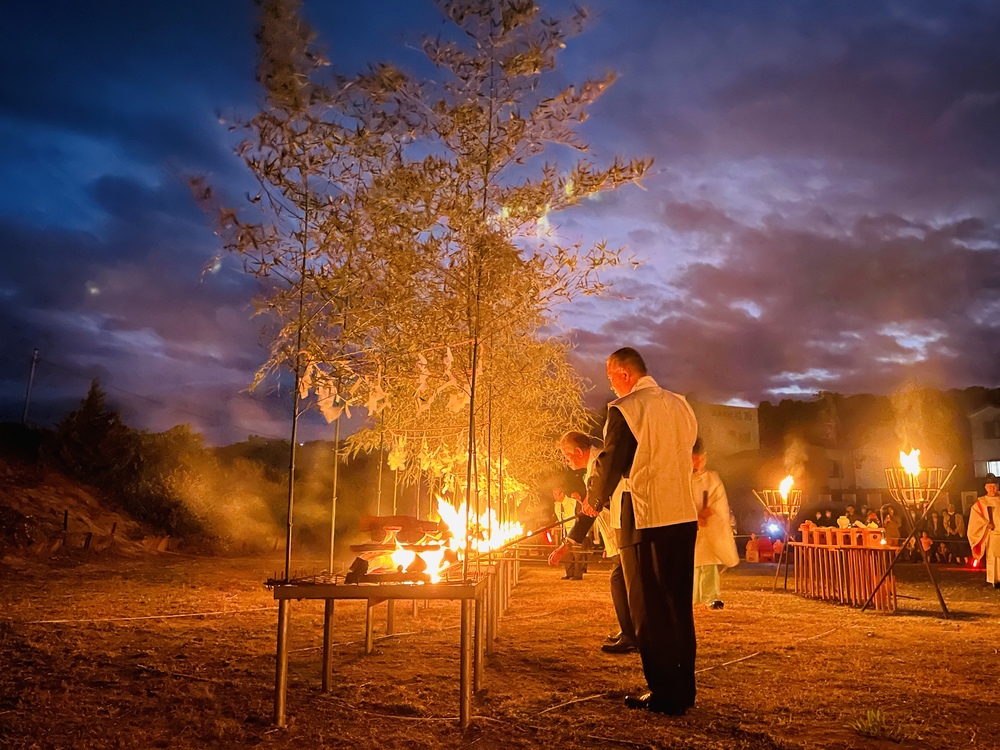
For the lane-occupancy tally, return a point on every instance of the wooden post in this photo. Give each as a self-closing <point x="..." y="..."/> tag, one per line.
<point x="370" y="626"/>
<point x="281" y="663"/>
<point x="327" y="644"/>
<point x="390" y="617"/>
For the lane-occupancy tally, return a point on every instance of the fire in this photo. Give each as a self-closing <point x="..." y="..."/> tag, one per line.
<point x="911" y="461"/>
<point x="786" y="486"/>
<point x="485" y="534"/>
<point x="403" y="558"/>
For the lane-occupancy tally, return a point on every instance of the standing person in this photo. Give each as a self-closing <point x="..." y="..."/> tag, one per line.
<point x="983" y="536"/>
<point x="954" y="529"/>
<point x="891" y="526"/>
<point x="715" y="548"/>
<point x="580" y="452"/>
<point x="567" y="501"/>
<point x="647" y="446"/>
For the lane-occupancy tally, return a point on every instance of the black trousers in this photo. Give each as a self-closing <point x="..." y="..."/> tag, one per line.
<point x="659" y="578"/>
<point x="619" y="597"/>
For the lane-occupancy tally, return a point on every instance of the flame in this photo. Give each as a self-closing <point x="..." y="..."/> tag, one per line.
<point x="911" y="461"/>
<point x="485" y="534"/>
<point x="786" y="486"/>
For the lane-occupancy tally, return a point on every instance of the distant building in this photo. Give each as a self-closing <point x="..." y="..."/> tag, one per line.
<point x="726" y="430"/>
<point x="985" y="424"/>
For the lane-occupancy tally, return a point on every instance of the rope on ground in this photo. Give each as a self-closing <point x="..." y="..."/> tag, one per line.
<point x="377" y="639"/>
<point x="578" y="700"/>
<point x="151" y="617"/>
<point x="758" y="653"/>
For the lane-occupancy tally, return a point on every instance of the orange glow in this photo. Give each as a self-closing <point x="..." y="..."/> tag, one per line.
<point x="485" y="534"/>
<point x="786" y="486"/>
<point x="911" y="461"/>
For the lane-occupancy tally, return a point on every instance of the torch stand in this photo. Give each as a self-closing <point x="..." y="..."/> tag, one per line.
<point x="781" y="507"/>
<point x="911" y="496"/>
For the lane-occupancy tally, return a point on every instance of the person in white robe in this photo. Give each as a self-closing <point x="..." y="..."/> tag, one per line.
<point x="982" y="530"/>
<point x="715" y="547"/>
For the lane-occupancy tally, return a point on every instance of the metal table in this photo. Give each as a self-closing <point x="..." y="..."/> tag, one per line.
<point x="482" y="600"/>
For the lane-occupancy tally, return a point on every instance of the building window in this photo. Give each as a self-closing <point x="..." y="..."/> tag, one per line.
<point x="992" y="467"/>
<point x="991" y="429"/>
<point x="836" y="469"/>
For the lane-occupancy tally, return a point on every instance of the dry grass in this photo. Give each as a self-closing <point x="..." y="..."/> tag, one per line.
<point x="776" y="670"/>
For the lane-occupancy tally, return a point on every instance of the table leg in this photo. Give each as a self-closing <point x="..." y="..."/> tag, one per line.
<point x="281" y="663"/>
<point x="327" y="644"/>
<point x="465" y="667"/>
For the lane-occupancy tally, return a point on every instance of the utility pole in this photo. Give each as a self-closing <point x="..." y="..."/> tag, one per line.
<point x="27" y="393"/>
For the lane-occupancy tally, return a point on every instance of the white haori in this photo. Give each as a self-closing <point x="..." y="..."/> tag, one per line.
<point x="992" y="559"/>
<point x="715" y="544"/>
<point x="604" y="527"/>
<point x="665" y="429"/>
<point x="978" y="530"/>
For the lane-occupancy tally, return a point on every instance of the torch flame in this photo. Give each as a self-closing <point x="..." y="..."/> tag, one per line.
<point x="911" y="461"/>
<point x="786" y="486"/>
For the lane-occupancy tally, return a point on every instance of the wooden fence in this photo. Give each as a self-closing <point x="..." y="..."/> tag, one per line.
<point x="844" y="565"/>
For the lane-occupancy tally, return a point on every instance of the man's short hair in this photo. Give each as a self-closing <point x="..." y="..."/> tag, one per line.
<point x="578" y="439"/>
<point x="629" y="359"/>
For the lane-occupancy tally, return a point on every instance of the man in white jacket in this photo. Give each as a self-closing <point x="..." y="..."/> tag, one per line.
<point x="647" y="446"/>
<point x="715" y="549"/>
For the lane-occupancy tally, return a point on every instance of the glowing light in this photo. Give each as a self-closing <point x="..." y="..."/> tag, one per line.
<point x="403" y="558"/>
<point x="786" y="486"/>
<point x="910" y="461"/>
<point x="773" y="528"/>
<point x="485" y="533"/>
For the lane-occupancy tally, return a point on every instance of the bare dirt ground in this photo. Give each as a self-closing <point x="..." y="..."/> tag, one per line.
<point x="105" y="653"/>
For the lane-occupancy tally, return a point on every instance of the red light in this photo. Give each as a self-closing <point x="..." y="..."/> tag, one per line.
<point x="549" y="540"/>
<point x="975" y="562"/>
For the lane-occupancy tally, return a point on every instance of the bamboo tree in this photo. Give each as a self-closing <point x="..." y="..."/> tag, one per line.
<point x="403" y="239"/>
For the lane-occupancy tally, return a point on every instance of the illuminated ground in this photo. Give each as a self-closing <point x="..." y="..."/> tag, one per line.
<point x="778" y="671"/>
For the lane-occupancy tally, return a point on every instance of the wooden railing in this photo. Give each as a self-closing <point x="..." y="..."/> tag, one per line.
<point x="844" y="565"/>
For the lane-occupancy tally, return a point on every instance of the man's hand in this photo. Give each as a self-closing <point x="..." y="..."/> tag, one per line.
<point x="703" y="515"/>
<point x="557" y="554"/>
<point x="587" y="510"/>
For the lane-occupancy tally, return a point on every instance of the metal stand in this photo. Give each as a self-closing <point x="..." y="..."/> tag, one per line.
<point x="906" y="495"/>
<point x="781" y="504"/>
<point x="783" y="557"/>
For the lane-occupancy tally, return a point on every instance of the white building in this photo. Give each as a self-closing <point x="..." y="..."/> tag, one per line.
<point x="985" y="425"/>
<point x="726" y="430"/>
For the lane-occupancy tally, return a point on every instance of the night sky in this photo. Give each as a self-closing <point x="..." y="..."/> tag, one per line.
<point x="823" y="212"/>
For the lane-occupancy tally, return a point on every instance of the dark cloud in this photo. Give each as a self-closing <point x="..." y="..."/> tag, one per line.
<point x="795" y="312"/>
<point x="822" y="213"/>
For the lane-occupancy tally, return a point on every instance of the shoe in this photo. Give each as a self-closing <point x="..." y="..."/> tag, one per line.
<point x="717" y="604"/>
<point x="620" y="647"/>
<point x="648" y="702"/>
<point x="614" y="638"/>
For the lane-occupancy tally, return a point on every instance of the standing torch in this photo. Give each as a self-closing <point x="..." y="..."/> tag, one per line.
<point x="782" y="504"/>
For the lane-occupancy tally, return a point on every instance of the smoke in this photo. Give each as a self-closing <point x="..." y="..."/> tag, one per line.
<point x="925" y="419"/>
<point x="795" y="457"/>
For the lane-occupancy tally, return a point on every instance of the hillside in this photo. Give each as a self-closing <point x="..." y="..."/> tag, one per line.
<point x="43" y="514"/>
